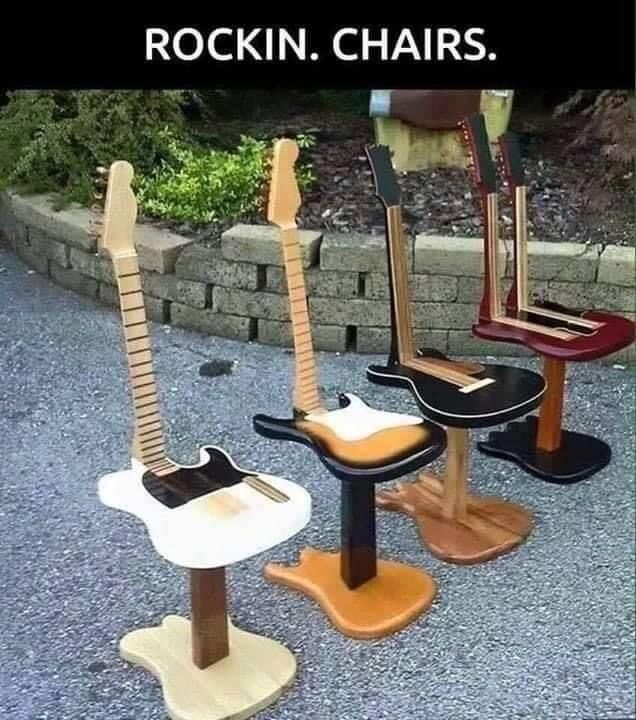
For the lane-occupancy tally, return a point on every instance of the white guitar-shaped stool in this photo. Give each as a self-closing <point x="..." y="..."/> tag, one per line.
<point x="200" y="517"/>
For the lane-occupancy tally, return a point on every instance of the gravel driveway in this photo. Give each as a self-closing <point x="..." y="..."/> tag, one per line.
<point x="545" y="632"/>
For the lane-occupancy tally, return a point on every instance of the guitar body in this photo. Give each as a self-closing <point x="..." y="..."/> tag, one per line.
<point x="357" y="442"/>
<point x="513" y="393"/>
<point x="206" y="515"/>
<point x="616" y="333"/>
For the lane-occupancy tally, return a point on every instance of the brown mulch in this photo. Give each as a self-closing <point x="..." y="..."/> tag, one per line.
<point x="570" y="198"/>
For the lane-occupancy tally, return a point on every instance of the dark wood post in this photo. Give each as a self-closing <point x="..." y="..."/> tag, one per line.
<point x="208" y="600"/>
<point x="358" y="555"/>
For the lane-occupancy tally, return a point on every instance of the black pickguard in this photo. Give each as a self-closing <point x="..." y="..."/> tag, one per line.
<point x="287" y="429"/>
<point x="188" y="483"/>
<point x="514" y="393"/>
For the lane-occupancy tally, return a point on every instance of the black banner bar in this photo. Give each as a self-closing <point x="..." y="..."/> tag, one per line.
<point x="537" y="44"/>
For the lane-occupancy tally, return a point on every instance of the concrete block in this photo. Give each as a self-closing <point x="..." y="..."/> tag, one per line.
<point x="358" y="252"/>
<point x="205" y="264"/>
<point x="378" y="340"/>
<point x="210" y="322"/>
<point x="72" y="225"/>
<point x="565" y="262"/>
<point x="616" y="266"/>
<point x="108" y="294"/>
<point x="331" y="311"/>
<point x="30" y="255"/>
<point x="52" y="249"/>
<point x="260" y="244"/>
<point x="594" y="296"/>
<point x="320" y="283"/>
<point x="73" y="280"/>
<point x="251" y="304"/>
<point x="430" y="316"/>
<point x="457" y="256"/>
<point x="158" y="250"/>
<point x="463" y="342"/>
<point x="427" y="288"/>
<point x="169" y="287"/>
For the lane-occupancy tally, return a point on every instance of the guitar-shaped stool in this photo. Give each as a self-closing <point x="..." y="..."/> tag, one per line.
<point x="539" y="445"/>
<point x="201" y="517"/>
<point x="454" y="526"/>
<point x="364" y="597"/>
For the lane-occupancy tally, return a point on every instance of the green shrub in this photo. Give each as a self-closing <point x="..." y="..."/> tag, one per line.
<point x="200" y="185"/>
<point x="52" y="141"/>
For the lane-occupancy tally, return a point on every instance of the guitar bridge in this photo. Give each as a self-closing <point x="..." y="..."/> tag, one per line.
<point x="266" y="489"/>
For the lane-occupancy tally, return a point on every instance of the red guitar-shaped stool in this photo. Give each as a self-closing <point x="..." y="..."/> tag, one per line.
<point x="559" y="334"/>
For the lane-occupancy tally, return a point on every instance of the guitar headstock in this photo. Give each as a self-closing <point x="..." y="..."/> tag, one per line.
<point x="117" y="204"/>
<point x="480" y="165"/>
<point x="386" y="184"/>
<point x="284" y="196"/>
<point x="510" y="161"/>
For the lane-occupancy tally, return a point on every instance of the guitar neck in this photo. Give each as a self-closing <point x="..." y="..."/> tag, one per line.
<point x="400" y="291"/>
<point x="306" y="393"/>
<point x="518" y="295"/>
<point x="149" y="442"/>
<point x="401" y="300"/>
<point x="490" y="307"/>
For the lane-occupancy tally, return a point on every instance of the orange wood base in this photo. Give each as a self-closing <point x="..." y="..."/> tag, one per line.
<point x="381" y="606"/>
<point x="483" y="529"/>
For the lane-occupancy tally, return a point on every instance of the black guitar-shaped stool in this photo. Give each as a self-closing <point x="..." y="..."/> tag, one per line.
<point x="558" y="334"/>
<point x="364" y="597"/>
<point x="199" y="517"/>
<point x="454" y="526"/>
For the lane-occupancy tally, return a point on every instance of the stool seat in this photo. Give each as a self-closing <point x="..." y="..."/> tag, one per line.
<point x="358" y="442"/>
<point x="615" y="333"/>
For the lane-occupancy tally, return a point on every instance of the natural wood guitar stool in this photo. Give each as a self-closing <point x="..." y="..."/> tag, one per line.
<point x="454" y="525"/>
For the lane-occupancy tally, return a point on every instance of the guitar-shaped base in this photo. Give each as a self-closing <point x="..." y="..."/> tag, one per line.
<point x="490" y="526"/>
<point x="379" y="607"/>
<point x="252" y="676"/>
<point x="578" y="456"/>
<point x="457" y="527"/>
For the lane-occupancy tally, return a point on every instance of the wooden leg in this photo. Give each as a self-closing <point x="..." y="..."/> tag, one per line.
<point x="551" y="410"/>
<point x="456" y="478"/>
<point x="209" y="626"/>
<point x="358" y="556"/>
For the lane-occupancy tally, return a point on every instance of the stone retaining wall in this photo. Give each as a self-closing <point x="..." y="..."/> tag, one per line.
<point x="237" y="288"/>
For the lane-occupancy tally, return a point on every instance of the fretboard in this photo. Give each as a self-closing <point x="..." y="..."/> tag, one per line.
<point x="306" y="394"/>
<point x="519" y="289"/>
<point x="148" y="443"/>
<point x="453" y="373"/>
<point x="400" y="285"/>
<point x="491" y="301"/>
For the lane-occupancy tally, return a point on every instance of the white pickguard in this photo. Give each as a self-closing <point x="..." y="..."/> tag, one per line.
<point x="196" y="534"/>
<point x="358" y="421"/>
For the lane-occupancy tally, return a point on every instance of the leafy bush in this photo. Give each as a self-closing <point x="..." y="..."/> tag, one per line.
<point x="199" y="185"/>
<point x="52" y="141"/>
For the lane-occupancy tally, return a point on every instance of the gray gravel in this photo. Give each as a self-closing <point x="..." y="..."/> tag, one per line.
<point x="545" y="632"/>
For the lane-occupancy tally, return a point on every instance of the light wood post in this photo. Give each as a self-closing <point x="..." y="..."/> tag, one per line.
<point x="456" y="476"/>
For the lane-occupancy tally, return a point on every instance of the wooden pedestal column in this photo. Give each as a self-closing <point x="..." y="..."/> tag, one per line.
<point x="454" y="525"/>
<point x="209" y="631"/>
<point x="541" y="446"/>
<point x="551" y="410"/>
